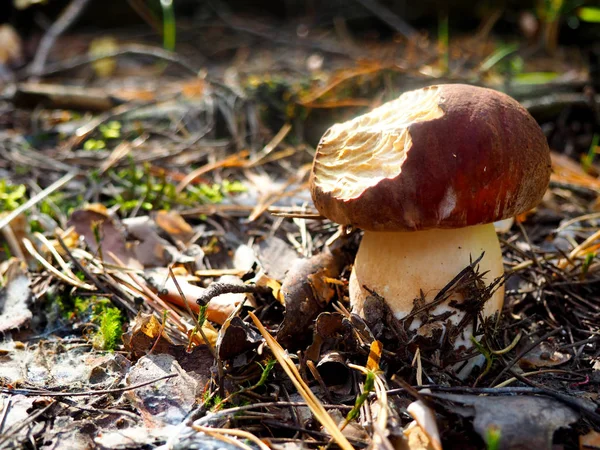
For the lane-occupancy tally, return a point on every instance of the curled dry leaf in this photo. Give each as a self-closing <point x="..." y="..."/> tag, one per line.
<point x="236" y="337"/>
<point x="414" y="439"/>
<point x="331" y="332"/>
<point x="307" y="292"/>
<point x="143" y="335"/>
<point x="335" y="373"/>
<point x="590" y="441"/>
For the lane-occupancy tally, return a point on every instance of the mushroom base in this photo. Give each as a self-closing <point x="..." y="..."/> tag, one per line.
<point x="399" y="265"/>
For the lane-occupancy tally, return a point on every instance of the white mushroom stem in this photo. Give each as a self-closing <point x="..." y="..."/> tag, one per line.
<point x="399" y="265"/>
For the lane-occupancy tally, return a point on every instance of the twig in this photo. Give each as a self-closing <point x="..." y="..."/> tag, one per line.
<point x="119" y="412"/>
<point x="5" y="408"/>
<point x="528" y="374"/>
<point x="130" y="49"/>
<point x="389" y="17"/>
<point x="45" y="393"/>
<point x="66" y="19"/>
<point x="10" y="432"/>
<point x="216" y="289"/>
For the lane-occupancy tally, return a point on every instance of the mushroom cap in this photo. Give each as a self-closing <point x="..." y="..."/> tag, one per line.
<point x="446" y="156"/>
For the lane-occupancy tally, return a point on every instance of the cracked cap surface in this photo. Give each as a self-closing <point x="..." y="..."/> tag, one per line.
<point x="445" y="156"/>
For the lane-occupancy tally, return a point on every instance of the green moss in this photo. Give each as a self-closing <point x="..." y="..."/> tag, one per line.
<point x="110" y="329"/>
<point x="11" y="195"/>
<point x="138" y="188"/>
<point x="107" y="319"/>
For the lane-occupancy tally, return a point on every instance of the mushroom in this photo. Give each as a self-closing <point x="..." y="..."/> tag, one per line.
<point x="425" y="176"/>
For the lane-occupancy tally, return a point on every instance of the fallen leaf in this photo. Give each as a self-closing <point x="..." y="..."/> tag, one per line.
<point x="14" y="233"/>
<point x="174" y="225"/>
<point x="271" y="252"/>
<point x="165" y="402"/>
<point x="522" y="422"/>
<point x="101" y="231"/>
<point x="236" y="337"/>
<point x="331" y="332"/>
<point x="335" y="373"/>
<point x="414" y="439"/>
<point x="425" y="418"/>
<point x="150" y="249"/>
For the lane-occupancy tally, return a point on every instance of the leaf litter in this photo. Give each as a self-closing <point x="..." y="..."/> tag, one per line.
<point x="185" y="208"/>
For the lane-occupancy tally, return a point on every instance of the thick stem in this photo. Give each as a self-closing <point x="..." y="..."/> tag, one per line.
<point x="398" y="266"/>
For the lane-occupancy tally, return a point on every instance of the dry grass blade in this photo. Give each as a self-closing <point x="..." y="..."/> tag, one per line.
<point x="37" y="198"/>
<point x="312" y="401"/>
<point x="227" y="439"/>
<point x="54" y="271"/>
<point x="280" y="136"/>
<point x="61" y="262"/>
<point x="238" y="433"/>
<point x="237" y="160"/>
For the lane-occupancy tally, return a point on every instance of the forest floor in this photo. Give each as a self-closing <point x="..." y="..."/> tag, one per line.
<point x="166" y="281"/>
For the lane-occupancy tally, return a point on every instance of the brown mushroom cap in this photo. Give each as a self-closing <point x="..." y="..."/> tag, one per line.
<point x="446" y="156"/>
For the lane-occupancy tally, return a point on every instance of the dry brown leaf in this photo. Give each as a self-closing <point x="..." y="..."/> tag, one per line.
<point x="590" y="441"/>
<point x="425" y="418"/>
<point x="14" y="233"/>
<point x="110" y="232"/>
<point x="415" y="439"/>
<point x="149" y="248"/>
<point x="147" y="335"/>
<point x="174" y="225"/>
